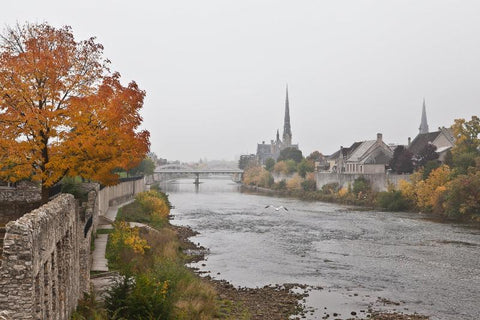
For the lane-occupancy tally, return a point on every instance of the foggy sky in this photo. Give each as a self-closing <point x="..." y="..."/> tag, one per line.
<point x="215" y="71"/>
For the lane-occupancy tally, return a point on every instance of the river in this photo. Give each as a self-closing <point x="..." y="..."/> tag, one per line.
<point x="388" y="261"/>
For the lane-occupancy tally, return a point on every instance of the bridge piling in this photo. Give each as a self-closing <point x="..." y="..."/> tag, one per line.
<point x="197" y="179"/>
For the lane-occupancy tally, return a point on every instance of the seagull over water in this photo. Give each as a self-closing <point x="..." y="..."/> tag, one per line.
<point x="276" y="208"/>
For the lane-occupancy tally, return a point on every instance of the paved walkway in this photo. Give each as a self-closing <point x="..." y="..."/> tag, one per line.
<point x="99" y="262"/>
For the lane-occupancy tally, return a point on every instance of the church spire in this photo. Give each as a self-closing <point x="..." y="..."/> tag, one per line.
<point x="287" y="131"/>
<point x="423" y="125"/>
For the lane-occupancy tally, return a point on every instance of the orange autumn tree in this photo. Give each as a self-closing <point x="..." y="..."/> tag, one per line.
<point x="61" y="112"/>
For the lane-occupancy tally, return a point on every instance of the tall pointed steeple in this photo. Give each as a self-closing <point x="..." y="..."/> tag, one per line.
<point x="287" y="131"/>
<point x="423" y="124"/>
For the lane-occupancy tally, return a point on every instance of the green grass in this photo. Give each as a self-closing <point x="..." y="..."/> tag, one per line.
<point x="134" y="212"/>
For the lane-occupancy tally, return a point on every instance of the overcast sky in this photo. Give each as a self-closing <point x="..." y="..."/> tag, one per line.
<point x="215" y="71"/>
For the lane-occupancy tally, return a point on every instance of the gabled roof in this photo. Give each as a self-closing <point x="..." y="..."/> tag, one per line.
<point x="448" y="133"/>
<point x="345" y="151"/>
<point x="360" y="151"/>
<point x="377" y="158"/>
<point x="421" y="140"/>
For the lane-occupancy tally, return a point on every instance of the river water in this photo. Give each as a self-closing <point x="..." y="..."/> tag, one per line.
<point x="389" y="261"/>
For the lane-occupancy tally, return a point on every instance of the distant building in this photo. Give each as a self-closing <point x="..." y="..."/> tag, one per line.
<point x="423" y="123"/>
<point x="273" y="149"/>
<point x="443" y="139"/>
<point x="371" y="156"/>
<point x="247" y="160"/>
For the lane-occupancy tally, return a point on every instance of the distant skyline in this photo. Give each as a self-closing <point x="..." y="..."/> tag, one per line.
<point x="215" y="71"/>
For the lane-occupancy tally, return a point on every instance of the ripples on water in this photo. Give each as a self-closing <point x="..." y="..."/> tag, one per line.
<point x="432" y="268"/>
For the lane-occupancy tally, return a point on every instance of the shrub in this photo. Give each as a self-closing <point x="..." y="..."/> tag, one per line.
<point x="89" y="308"/>
<point x="392" y="201"/>
<point x="429" y="167"/>
<point x="123" y="243"/>
<point x="291" y="166"/>
<point x="429" y="192"/>
<point x="269" y="164"/>
<point x="342" y="192"/>
<point x="280" y="167"/>
<point x="258" y="176"/>
<point x="330" y="188"/>
<point x="309" y="185"/>
<point x="281" y="185"/>
<point x="294" y="183"/>
<point x="305" y="167"/>
<point x="463" y="196"/>
<point x="361" y="185"/>
<point x="72" y="186"/>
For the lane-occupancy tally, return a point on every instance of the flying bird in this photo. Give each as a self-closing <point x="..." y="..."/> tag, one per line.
<point x="276" y="208"/>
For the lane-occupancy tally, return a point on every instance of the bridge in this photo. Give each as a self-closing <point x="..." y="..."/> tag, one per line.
<point x="172" y="171"/>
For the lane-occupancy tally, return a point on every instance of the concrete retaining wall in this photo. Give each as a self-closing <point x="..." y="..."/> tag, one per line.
<point x="379" y="181"/>
<point x="113" y="195"/>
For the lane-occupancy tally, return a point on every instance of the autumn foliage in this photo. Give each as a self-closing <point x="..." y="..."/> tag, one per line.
<point x="451" y="189"/>
<point x="62" y="113"/>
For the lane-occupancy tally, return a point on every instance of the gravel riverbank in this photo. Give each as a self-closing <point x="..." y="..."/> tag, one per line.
<point x="270" y="302"/>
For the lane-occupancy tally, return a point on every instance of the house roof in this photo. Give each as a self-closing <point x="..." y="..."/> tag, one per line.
<point x="360" y="151"/>
<point x="421" y="140"/>
<point x="377" y="158"/>
<point x="346" y="151"/>
<point x="443" y="149"/>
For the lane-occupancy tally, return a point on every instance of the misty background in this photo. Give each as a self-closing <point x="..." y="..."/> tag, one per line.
<point x="215" y="71"/>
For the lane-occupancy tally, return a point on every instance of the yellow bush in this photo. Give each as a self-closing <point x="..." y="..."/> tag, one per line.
<point x="295" y="182"/>
<point x="124" y="236"/>
<point x="153" y="203"/>
<point x="430" y="191"/>
<point x="257" y="176"/>
<point x="311" y="176"/>
<point x="408" y="190"/>
<point x="342" y="192"/>
<point x="280" y="168"/>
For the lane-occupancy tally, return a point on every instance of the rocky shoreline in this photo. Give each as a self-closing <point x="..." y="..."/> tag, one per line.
<point x="270" y="302"/>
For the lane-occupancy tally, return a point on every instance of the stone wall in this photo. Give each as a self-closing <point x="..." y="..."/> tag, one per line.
<point x="8" y="194"/>
<point x="10" y="211"/>
<point x="41" y="276"/>
<point x="16" y="201"/>
<point x="379" y="181"/>
<point x="45" y="264"/>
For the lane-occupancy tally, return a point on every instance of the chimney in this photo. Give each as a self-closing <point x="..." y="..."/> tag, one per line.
<point x="379" y="137"/>
<point x="409" y="141"/>
<point x="263" y="142"/>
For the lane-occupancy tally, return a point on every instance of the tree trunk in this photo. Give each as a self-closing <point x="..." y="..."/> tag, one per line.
<point x="45" y="194"/>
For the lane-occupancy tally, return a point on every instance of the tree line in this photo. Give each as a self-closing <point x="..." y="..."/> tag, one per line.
<point x="450" y="188"/>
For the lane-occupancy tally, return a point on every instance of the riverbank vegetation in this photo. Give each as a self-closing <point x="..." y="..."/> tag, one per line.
<point x="154" y="283"/>
<point x="450" y="189"/>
